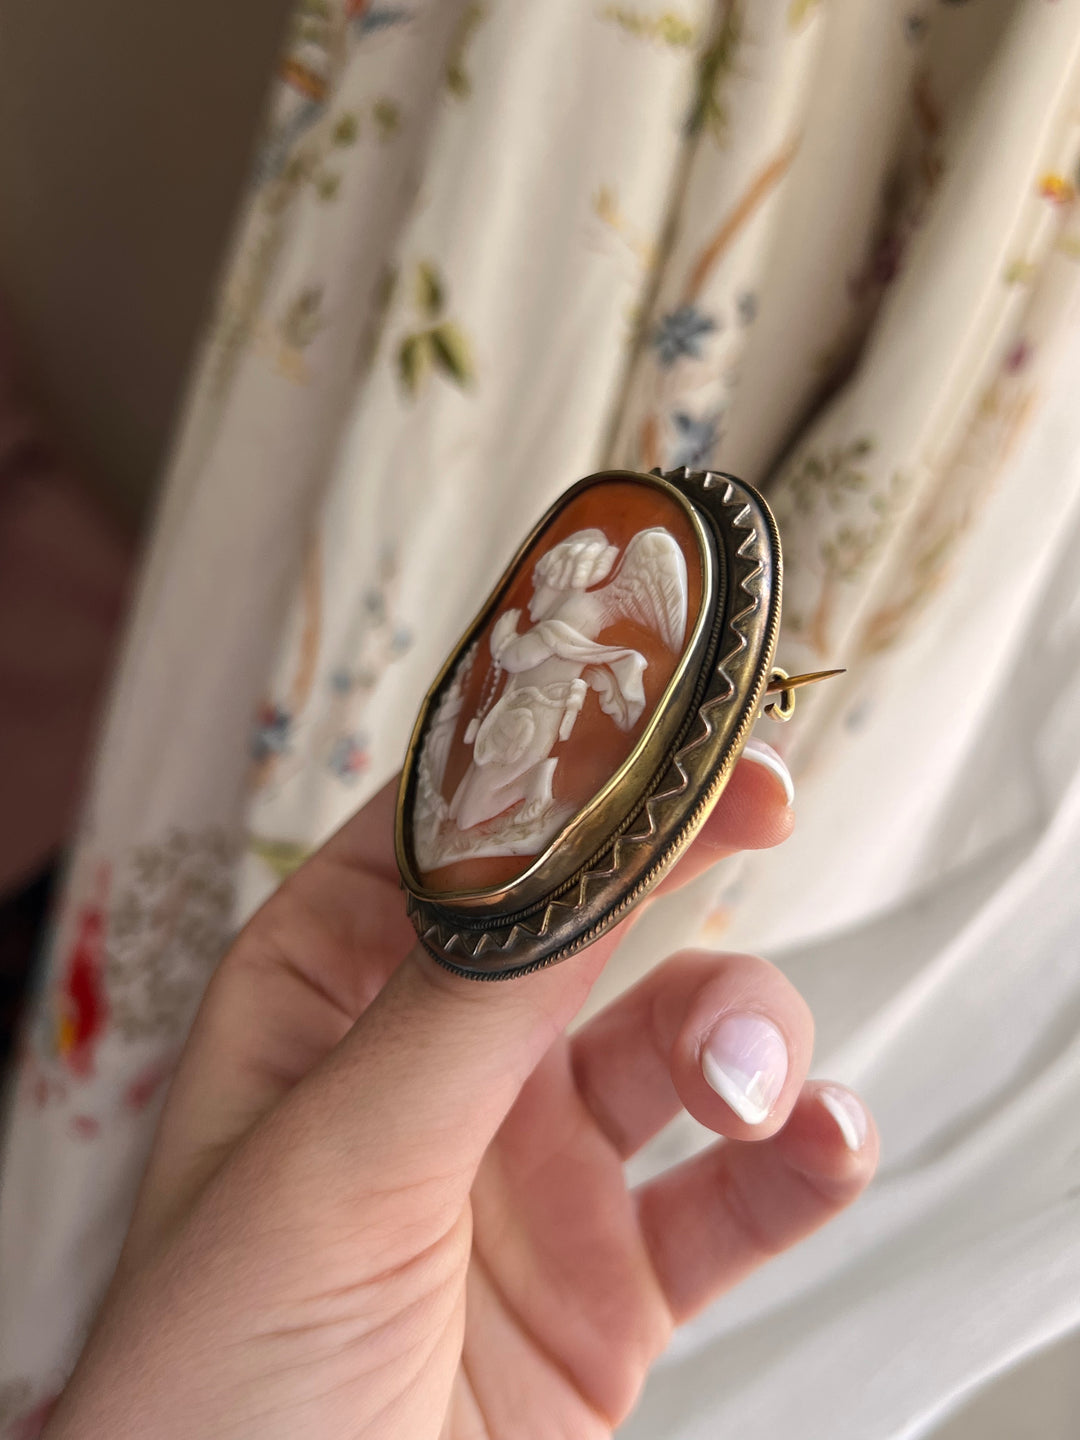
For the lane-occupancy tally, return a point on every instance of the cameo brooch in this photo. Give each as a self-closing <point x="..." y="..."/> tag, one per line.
<point x="590" y="717"/>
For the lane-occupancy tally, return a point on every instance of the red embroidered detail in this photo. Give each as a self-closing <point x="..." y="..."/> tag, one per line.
<point x="83" y="1007"/>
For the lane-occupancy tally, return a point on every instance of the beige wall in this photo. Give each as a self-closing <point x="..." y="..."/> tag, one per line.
<point x="125" y="129"/>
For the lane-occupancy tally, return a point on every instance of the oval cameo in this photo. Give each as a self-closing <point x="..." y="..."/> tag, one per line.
<point x="543" y="747"/>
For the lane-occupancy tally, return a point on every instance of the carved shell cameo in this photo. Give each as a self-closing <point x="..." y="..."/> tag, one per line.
<point x="589" y="719"/>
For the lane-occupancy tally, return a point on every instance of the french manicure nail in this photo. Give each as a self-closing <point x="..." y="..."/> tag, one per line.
<point x="761" y="753"/>
<point x="848" y="1113"/>
<point x="745" y="1060"/>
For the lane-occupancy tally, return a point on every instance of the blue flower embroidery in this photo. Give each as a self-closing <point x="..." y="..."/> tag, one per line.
<point x="747" y="307"/>
<point x="378" y="17"/>
<point x="681" y="333"/>
<point x="696" y="440"/>
<point x="271" y="733"/>
<point x="281" y="140"/>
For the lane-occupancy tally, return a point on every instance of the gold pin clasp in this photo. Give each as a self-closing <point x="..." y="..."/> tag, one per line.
<point x="783" y="685"/>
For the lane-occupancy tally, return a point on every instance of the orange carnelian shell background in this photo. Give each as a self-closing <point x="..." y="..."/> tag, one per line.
<point x="597" y="747"/>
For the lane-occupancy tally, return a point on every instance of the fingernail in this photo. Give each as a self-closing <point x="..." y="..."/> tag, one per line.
<point x="848" y="1113"/>
<point x="762" y="753"/>
<point x="745" y="1060"/>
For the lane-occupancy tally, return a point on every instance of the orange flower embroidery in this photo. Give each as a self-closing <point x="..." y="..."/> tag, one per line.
<point x="1056" y="188"/>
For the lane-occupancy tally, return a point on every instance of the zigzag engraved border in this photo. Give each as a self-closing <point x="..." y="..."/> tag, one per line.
<point x="445" y="939"/>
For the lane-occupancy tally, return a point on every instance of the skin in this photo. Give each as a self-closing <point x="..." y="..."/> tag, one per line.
<point x="387" y="1202"/>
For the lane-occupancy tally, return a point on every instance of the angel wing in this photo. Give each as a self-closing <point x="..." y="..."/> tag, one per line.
<point x="650" y="586"/>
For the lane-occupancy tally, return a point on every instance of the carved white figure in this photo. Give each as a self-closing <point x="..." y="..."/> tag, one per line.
<point x="505" y="802"/>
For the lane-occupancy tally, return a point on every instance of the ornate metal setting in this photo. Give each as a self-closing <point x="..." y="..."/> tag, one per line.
<point x="608" y="855"/>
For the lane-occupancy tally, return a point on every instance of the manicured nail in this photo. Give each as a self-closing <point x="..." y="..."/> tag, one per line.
<point x="745" y="1061"/>
<point x="848" y="1113"/>
<point x="762" y="753"/>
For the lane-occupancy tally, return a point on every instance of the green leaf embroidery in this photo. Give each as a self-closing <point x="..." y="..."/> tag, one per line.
<point x="799" y="11"/>
<point x="303" y="319"/>
<point x="452" y="352"/>
<point x="387" y="117"/>
<point x="346" y="129"/>
<point x="414" y="360"/>
<point x="282" y="856"/>
<point x="299" y="167"/>
<point x="442" y="346"/>
<point x="709" y="110"/>
<point x="430" y="293"/>
<point x="669" y="27"/>
<point x="458" y="80"/>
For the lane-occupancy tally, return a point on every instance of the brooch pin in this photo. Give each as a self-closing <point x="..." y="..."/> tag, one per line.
<point x="589" y="719"/>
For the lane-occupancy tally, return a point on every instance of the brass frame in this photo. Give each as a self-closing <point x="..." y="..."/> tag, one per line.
<point x="624" y="841"/>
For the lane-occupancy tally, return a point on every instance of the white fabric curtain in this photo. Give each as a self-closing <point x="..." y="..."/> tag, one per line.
<point x="952" y="1004"/>
<point x="832" y="247"/>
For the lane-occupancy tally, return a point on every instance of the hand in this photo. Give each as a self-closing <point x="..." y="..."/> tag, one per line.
<point x="388" y="1202"/>
<point x="503" y="631"/>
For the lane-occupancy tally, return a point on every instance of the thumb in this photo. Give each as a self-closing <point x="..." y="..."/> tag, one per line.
<point x="417" y="1089"/>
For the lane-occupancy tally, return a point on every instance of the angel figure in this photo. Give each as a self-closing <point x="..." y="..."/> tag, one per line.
<point x="551" y="667"/>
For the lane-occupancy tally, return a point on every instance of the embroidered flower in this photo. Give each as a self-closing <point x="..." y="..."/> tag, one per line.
<point x="272" y="732"/>
<point x="696" y="440"/>
<point x="1058" y="189"/>
<point x="681" y="333"/>
<point x="368" y="17"/>
<point x="349" y="756"/>
<point x="1018" y="357"/>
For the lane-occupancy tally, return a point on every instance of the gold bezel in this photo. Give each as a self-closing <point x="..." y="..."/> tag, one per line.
<point x="623" y="841"/>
